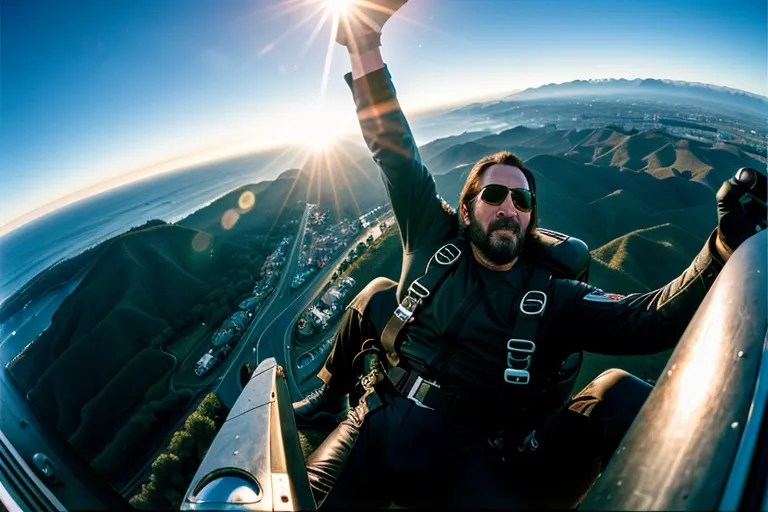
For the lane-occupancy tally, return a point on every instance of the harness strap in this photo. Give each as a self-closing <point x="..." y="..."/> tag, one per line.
<point x="418" y="292"/>
<point x="529" y="312"/>
<point x="428" y="394"/>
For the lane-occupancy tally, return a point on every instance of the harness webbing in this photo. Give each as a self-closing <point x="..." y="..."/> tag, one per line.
<point x="418" y="292"/>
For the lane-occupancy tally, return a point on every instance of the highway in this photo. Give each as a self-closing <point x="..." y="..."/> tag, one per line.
<point x="270" y="333"/>
<point x="229" y="387"/>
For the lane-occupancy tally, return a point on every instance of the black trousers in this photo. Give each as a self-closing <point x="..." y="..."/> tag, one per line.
<point x="417" y="458"/>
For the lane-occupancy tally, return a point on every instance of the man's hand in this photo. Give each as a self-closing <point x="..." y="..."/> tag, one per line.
<point x="741" y="209"/>
<point x="361" y="22"/>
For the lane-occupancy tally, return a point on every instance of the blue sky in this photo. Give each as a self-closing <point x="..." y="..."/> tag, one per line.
<point x="92" y="90"/>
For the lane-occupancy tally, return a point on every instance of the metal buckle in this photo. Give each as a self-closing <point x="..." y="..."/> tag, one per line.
<point x="447" y="254"/>
<point x="418" y="289"/>
<point x="415" y="389"/>
<point x="518" y="377"/>
<point x="533" y="304"/>
<point x="403" y="314"/>
<point x="531" y="440"/>
<point x="526" y="346"/>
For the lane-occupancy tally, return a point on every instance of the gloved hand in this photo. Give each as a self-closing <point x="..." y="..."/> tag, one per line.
<point x="741" y="207"/>
<point x="361" y="22"/>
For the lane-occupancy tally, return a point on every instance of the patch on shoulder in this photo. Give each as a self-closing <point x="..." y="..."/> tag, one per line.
<point x="598" y="295"/>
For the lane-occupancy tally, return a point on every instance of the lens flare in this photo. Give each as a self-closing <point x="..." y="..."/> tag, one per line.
<point x="229" y="219"/>
<point x="201" y="241"/>
<point x="246" y="201"/>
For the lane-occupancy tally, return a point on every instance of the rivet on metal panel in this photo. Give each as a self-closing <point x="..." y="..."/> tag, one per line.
<point x="735" y="424"/>
<point x="741" y="353"/>
<point x="234" y="453"/>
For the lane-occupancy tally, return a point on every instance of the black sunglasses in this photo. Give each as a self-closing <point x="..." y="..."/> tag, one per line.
<point x="495" y="194"/>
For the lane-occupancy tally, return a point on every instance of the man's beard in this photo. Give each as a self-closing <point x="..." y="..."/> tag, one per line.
<point x="499" y="250"/>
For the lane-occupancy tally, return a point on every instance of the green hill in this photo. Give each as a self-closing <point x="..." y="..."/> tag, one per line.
<point x="141" y="282"/>
<point x="100" y="373"/>
<point x="652" y="256"/>
<point x="434" y="148"/>
<point x="459" y="154"/>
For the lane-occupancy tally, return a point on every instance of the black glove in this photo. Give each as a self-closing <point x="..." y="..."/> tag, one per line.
<point x="361" y="22"/>
<point x="741" y="207"/>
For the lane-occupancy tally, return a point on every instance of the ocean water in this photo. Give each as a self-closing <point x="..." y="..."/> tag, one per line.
<point x="67" y="232"/>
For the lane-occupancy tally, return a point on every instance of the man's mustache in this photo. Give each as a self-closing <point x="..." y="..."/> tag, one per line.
<point x="508" y="224"/>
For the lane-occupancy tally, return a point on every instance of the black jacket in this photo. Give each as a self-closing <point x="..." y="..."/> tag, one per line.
<point x="578" y="316"/>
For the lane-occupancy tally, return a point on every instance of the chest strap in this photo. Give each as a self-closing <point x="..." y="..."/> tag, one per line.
<point x="419" y="292"/>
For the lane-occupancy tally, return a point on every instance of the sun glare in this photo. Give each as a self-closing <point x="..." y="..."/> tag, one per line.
<point x="317" y="131"/>
<point x="339" y="6"/>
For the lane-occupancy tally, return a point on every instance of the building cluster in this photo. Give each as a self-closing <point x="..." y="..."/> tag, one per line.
<point x="228" y="335"/>
<point x="327" y="308"/>
<point x="322" y="242"/>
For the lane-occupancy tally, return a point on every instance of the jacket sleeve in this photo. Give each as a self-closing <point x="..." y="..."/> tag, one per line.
<point x="420" y="213"/>
<point x="639" y="324"/>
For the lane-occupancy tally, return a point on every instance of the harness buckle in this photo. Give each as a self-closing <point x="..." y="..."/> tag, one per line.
<point x="416" y="389"/>
<point x="533" y="303"/>
<point x="418" y="289"/>
<point x="447" y="254"/>
<point x="406" y="308"/>
<point x="531" y="440"/>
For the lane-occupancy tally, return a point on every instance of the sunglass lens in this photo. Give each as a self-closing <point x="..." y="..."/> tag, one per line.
<point x="522" y="199"/>
<point x="494" y="194"/>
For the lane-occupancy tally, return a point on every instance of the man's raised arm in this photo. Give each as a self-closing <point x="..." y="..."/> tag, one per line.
<point x="411" y="189"/>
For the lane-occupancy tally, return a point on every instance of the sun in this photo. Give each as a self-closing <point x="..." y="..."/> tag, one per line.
<point x="318" y="129"/>
<point x="321" y="140"/>
<point x="339" y="6"/>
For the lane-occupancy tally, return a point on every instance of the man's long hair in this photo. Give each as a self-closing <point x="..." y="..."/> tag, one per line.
<point x="472" y="186"/>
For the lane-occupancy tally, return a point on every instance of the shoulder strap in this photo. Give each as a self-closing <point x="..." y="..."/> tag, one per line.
<point x="529" y="310"/>
<point x="420" y="292"/>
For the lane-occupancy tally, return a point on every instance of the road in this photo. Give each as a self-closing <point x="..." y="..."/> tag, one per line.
<point x="276" y="339"/>
<point x="271" y="334"/>
<point x="229" y="387"/>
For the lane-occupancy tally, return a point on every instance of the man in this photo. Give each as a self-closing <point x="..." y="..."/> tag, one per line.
<point x="458" y="347"/>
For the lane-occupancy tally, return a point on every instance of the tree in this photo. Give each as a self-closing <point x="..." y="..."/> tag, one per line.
<point x="211" y="407"/>
<point x="165" y="467"/>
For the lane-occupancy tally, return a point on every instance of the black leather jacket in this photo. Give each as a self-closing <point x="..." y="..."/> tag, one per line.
<point x="577" y="317"/>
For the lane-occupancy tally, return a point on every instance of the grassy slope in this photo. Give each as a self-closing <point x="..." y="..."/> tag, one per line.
<point x="141" y="282"/>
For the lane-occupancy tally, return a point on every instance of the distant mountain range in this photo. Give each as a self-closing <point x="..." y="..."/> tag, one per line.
<point x="734" y="98"/>
<point x="655" y="152"/>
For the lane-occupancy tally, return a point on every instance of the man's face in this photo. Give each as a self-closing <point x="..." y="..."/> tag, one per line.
<point x="498" y="231"/>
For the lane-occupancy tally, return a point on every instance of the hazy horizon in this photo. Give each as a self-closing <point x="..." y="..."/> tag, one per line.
<point x="101" y="95"/>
